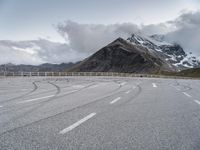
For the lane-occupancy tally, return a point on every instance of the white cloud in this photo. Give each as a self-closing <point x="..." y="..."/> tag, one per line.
<point x="16" y="56"/>
<point x="30" y="50"/>
<point x="187" y="32"/>
<point x="84" y="39"/>
<point x="88" y="38"/>
<point x="37" y="52"/>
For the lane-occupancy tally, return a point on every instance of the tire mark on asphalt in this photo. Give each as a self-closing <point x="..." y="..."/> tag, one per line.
<point x="37" y="106"/>
<point x="53" y="89"/>
<point x="34" y="108"/>
<point x="186" y="87"/>
<point x="21" y="96"/>
<point x="73" y="109"/>
<point x="54" y="97"/>
<point x="57" y="88"/>
<point x="134" y="96"/>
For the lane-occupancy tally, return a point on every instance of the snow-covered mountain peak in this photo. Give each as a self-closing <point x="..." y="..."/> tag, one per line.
<point x="173" y="53"/>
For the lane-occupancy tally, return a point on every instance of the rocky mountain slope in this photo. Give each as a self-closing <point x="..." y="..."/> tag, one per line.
<point x="173" y="53"/>
<point x="122" y="56"/>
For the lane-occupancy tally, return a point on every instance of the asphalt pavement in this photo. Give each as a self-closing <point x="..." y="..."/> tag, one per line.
<point x="99" y="113"/>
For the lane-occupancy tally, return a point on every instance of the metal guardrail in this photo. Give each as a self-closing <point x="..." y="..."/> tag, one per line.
<point x="32" y="74"/>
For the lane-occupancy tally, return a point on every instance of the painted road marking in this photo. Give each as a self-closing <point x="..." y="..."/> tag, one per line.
<point x="24" y="89"/>
<point x="70" y="92"/>
<point x="154" y="85"/>
<point x="127" y="92"/>
<point x="115" y="100"/>
<point x="188" y="95"/>
<point x="1" y="106"/>
<point x="35" y="99"/>
<point x="123" y="83"/>
<point x="77" y="123"/>
<point x="78" y="86"/>
<point x="94" y="86"/>
<point x="198" y="102"/>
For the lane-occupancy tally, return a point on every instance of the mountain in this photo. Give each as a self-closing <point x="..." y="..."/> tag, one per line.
<point x="32" y="68"/>
<point x="173" y="53"/>
<point x="194" y="72"/>
<point x="139" y="54"/>
<point x="122" y="56"/>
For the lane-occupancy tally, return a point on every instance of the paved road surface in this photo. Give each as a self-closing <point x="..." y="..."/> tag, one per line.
<point x="99" y="113"/>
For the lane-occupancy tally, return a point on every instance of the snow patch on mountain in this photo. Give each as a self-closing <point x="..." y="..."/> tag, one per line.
<point x="190" y="61"/>
<point x="173" y="53"/>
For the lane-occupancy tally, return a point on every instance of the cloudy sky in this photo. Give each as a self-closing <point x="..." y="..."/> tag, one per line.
<point x="68" y="30"/>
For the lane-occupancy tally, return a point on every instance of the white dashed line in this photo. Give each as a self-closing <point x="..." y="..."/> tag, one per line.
<point x="24" y="89"/>
<point x="186" y="94"/>
<point x="127" y="92"/>
<point x="71" y="92"/>
<point x="94" y="86"/>
<point x="123" y="83"/>
<point x="35" y="99"/>
<point x="77" y="123"/>
<point x="1" y="106"/>
<point x="115" y="100"/>
<point x="154" y="85"/>
<point x="198" y="102"/>
<point x="78" y="86"/>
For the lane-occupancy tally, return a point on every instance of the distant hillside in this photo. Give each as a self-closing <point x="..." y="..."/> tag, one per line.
<point x="40" y="68"/>
<point x="122" y="56"/>
<point x="194" y="72"/>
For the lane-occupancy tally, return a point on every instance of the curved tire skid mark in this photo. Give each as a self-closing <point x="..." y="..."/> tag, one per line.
<point x="57" y="88"/>
<point x="127" y="102"/>
<point x="49" y="99"/>
<point x="47" y="91"/>
<point x="135" y="95"/>
<point x="186" y="87"/>
<point x="88" y="87"/>
<point x="74" y="91"/>
<point x="78" y="107"/>
<point x="52" y="89"/>
<point x="23" y="95"/>
<point x="36" y="107"/>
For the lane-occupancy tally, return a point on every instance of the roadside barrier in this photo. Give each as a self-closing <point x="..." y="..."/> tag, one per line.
<point x="43" y="74"/>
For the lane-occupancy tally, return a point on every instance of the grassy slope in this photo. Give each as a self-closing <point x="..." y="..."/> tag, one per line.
<point x="194" y="72"/>
<point x="190" y="72"/>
